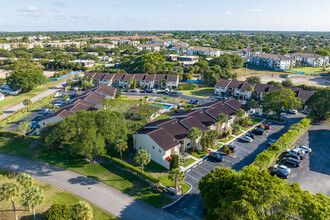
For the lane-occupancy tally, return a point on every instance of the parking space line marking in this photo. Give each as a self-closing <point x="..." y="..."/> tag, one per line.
<point x="188" y="171"/>
<point x="192" y="177"/>
<point x="204" y="169"/>
<point x="195" y="166"/>
<point x="198" y="173"/>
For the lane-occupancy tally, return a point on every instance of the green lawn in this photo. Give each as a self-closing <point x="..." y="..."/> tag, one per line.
<point x="190" y="161"/>
<point x="107" y="173"/>
<point x="52" y="195"/>
<point x="256" y="120"/>
<point x="308" y="69"/>
<point x="203" y="90"/>
<point x="167" y="182"/>
<point x="218" y="145"/>
<point x="225" y="140"/>
<point x="198" y="154"/>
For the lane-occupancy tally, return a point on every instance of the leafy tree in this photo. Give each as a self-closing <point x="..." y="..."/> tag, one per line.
<point x="287" y="83"/>
<point x="208" y="139"/>
<point x="266" y="50"/>
<point x="118" y="94"/>
<point x="121" y="146"/>
<point x="319" y="103"/>
<point x="281" y="100"/>
<point x="82" y="211"/>
<point x="65" y="97"/>
<point x="26" y="79"/>
<point x="273" y="83"/>
<point x="24" y="127"/>
<point x="25" y="181"/>
<point x="33" y="197"/>
<point x="59" y="211"/>
<point x="27" y="103"/>
<point x="142" y="157"/>
<point x="250" y="88"/>
<point x="240" y="113"/>
<point x="222" y="118"/>
<point x="193" y="87"/>
<point x="245" y="121"/>
<point x="194" y="135"/>
<point x="323" y="52"/>
<point x="174" y="163"/>
<point x="253" y="104"/>
<point x="253" y="79"/>
<point x="10" y="191"/>
<point x="236" y="128"/>
<point x="177" y="176"/>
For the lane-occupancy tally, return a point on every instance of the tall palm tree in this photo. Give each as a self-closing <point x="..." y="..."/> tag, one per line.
<point x="222" y="118"/>
<point x="25" y="181"/>
<point x="82" y="210"/>
<point x="10" y="191"/>
<point x="33" y="197"/>
<point x="142" y="157"/>
<point x="239" y="114"/>
<point x="27" y="103"/>
<point x="121" y="146"/>
<point x="177" y="176"/>
<point x="193" y="135"/>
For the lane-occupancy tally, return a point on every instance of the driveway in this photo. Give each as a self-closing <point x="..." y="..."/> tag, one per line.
<point x="191" y="205"/>
<point x="314" y="173"/>
<point x="110" y="199"/>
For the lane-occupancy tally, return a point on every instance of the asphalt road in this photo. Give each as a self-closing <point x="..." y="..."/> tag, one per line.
<point x="191" y="205"/>
<point x="314" y="171"/>
<point x="108" y="198"/>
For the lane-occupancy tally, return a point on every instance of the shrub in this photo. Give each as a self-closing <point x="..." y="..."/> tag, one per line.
<point x="59" y="212"/>
<point x="174" y="163"/>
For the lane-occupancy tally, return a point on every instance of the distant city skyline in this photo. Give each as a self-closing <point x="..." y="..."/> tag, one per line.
<point x="109" y="15"/>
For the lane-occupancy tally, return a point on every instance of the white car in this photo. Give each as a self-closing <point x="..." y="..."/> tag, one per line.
<point x="246" y="139"/>
<point x="282" y="167"/>
<point x="296" y="152"/>
<point x="304" y="148"/>
<point x="271" y="141"/>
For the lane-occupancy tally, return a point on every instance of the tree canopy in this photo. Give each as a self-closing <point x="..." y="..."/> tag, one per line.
<point x="319" y="103"/>
<point x="26" y="79"/>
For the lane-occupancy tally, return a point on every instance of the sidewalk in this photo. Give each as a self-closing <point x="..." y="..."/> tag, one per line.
<point x="214" y="150"/>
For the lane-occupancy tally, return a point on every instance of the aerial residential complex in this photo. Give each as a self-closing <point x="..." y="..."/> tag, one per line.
<point x="163" y="138"/>
<point x="272" y="61"/>
<point x="308" y="59"/>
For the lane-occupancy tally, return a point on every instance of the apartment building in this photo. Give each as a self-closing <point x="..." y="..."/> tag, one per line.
<point x="107" y="46"/>
<point x="272" y="61"/>
<point x="309" y="59"/>
<point x="204" y="50"/>
<point x="152" y="47"/>
<point x="178" y="49"/>
<point x="5" y="46"/>
<point x="146" y="81"/>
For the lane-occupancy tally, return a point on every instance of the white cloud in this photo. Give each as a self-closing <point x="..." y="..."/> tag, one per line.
<point x="256" y="10"/>
<point x="31" y="11"/>
<point x="250" y="17"/>
<point x="32" y="8"/>
<point x="180" y="5"/>
<point x="60" y="3"/>
<point x="228" y="12"/>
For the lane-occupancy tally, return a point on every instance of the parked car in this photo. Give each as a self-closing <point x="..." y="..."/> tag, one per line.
<point x="292" y="112"/>
<point x="258" y="131"/>
<point x="292" y="156"/>
<point x="154" y="91"/>
<point x="279" y="173"/>
<point x="167" y="91"/>
<point x="232" y="148"/>
<point x="215" y="156"/>
<point x="246" y="139"/>
<point x="263" y="115"/>
<point x="271" y="141"/>
<point x="34" y="125"/>
<point x="297" y="152"/>
<point x="304" y="148"/>
<point x="282" y="167"/>
<point x="257" y="114"/>
<point x="292" y="161"/>
<point x="38" y="118"/>
<point x="250" y="134"/>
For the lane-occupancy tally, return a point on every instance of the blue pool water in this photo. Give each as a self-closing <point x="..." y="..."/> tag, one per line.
<point x="165" y="106"/>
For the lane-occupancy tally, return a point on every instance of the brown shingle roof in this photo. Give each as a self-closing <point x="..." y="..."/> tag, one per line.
<point x="118" y="76"/>
<point x="129" y="76"/>
<point x="149" y="78"/>
<point x="223" y="83"/>
<point x="172" y="78"/>
<point x="234" y="84"/>
<point x="163" y="139"/>
<point x="204" y="118"/>
<point x="104" y="90"/>
<point x="89" y="74"/>
<point x="95" y="98"/>
<point x="258" y="87"/>
<point x="159" y="77"/>
<point x="245" y="86"/>
<point x="173" y="127"/>
<point x="98" y="76"/>
<point x="304" y="94"/>
<point x="192" y="122"/>
<point x="108" y="76"/>
<point x="139" y="76"/>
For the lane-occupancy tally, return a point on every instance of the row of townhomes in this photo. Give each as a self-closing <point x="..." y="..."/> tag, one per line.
<point x="91" y="99"/>
<point x="246" y="91"/>
<point x="309" y="59"/>
<point x="272" y="61"/>
<point x="163" y="138"/>
<point x="146" y="81"/>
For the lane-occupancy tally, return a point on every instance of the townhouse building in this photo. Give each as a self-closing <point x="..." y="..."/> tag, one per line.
<point x="272" y="61"/>
<point x="145" y="81"/>
<point x="152" y="47"/>
<point x="178" y="49"/>
<point x="5" y="46"/>
<point x="107" y="46"/>
<point x="91" y="100"/>
<point x="163" y="138"/>
<point x="245" y="91"/>
<point x="204" y="50"/>
<point x="309" y="59"/>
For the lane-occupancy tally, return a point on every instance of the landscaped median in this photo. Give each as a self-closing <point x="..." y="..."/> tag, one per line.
<point x="266" y="158"/>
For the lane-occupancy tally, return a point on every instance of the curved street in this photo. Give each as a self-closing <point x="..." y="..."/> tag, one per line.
<point x="108" y="198"/>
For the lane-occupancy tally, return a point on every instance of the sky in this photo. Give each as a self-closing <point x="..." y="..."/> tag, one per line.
<point x="144" y="15"/>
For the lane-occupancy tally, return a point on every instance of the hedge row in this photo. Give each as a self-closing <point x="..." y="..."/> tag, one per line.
<point x="134" y="169"/>
<point x="25" y="109"/>
<point x="265" y="158"/>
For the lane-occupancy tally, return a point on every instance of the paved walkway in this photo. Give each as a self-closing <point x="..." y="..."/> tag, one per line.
<point x="108" y="198"/>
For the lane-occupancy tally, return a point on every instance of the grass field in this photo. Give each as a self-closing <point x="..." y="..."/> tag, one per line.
<point x="198" y="154"/>
<point x="308" y="69"/>
<point x="190" y="161"/>
<point x="202" y="91"/>
<point x="107" y="173"/>
<point x="52" y="195"/>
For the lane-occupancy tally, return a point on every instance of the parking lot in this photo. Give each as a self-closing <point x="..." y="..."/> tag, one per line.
<point x="191" y="205"/>
<point x="314" y="171"/>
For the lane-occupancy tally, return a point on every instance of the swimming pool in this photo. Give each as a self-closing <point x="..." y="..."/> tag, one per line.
<point x="164" y="106"/>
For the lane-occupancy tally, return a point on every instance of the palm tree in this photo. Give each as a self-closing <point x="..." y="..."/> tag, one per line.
<point x="10" y="191"/>
<point x="177" y="176"/>
<point x="82" y="210"/>
<point x="163" y="82"/>
<point x="27" y="103"/>
<point x="193" y="135"/>
<point x="33" y="197"/>
<point x="222" y="118"/>
<point x="142" y="157"/>
<point x="239" y="114"/>
<point x="65" y="97"/>
<point x="25" y="181"/>
<point x="121" y="146"/>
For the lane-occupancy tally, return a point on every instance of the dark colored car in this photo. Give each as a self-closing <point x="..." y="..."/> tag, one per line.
<point x="215" y="156"/>
<point x="289" y="160"/>
<point x="232" y="148"/>
<point x="263" y="115"/>
<point x="38" y="118"/>
<point x="257" y="114"/>
<point x="258" y="131"/>
<point x="292" y="156"/>
<point x="250" y="134"/>
<point x="279" y="173"/>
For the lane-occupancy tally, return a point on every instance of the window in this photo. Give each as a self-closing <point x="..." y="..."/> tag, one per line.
<point x="153" y="147"/>
<point x="160" y="150"/>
